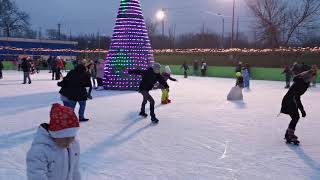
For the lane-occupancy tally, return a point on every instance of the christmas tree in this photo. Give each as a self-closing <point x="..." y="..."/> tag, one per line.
<point x="130" y="48"/>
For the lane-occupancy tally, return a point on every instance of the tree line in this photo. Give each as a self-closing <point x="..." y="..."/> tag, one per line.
<point x="278" y="23"/>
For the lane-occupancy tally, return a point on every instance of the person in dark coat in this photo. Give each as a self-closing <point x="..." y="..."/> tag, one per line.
<point x="74" y="89"/>
<point x="196" y="66"/>
<point x="54" y="68"/>
<point x="26" y="68"/>
<point x="296" y="68"/>
<point x="1" y="68"/>
<point x="288" y="74"/>
<point x="49" y="62"/>
<point x="149" y="79"/>
<point x="291" y="103"/>
<point x="238" y="67"/>
<point x="185" y="68"/>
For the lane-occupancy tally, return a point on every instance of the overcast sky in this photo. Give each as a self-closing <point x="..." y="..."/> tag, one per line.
<point x="88" y="16"/>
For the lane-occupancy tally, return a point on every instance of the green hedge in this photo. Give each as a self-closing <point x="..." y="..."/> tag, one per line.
<point x="273" y="74"/>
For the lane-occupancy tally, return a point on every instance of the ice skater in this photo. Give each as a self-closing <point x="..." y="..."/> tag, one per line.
<point x="246" y="76"/>
<point x="235" y="93"/>
<point x="149" y="78"/>
<point x="185" y="68"/>
<point x="54" y="153"/>
<point x="1" y="67"/>
<point x="291" y="103"/>
<point x="165" y="92"/>
<point x="288" y="74"/>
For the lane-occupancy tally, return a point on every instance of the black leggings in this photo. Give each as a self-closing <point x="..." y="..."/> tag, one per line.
<point x="0" y="73"/>
<point x="147" y="97"/>
<point x="294" y="120"/>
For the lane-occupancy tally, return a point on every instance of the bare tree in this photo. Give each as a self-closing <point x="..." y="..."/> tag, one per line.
<point x="12" y="19"/>
<point x="278" y="22"/>
<point x="151" y="27"/>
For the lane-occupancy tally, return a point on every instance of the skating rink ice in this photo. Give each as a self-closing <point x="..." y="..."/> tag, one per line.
<point x="201" y="136"/>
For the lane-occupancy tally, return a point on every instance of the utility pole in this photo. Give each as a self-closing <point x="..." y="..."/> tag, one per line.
<point x="233" y="14"/>
<point x="222" y="36"/>
<point x="237" y="35"/>
<point x="40" y="33"/>
<point x="99" y="44"/>
<point x="59" y="31"/>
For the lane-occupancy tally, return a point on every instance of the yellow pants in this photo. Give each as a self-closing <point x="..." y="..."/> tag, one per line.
<point x="165" y="94"/>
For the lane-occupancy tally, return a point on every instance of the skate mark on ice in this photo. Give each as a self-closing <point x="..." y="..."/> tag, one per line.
<point x="203" y="145"/>
<point x="224" y="155"/>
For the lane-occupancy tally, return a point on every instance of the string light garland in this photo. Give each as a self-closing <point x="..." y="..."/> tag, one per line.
<point x="130" y="48"/>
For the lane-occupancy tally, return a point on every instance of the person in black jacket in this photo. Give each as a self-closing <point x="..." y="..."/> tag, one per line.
<point x="74" y="89"/>
<point x="54" y="69"/>
<point x="149" y="78"/>
<point x="1" y="67"/>
<point x="288" y="73"/>
<point x="291" y="103"/>
<point x="26" y="68"/>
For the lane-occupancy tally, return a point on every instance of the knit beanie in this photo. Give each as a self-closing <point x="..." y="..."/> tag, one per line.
<point x="63" y="122"/>
<point x="156" y="66"/>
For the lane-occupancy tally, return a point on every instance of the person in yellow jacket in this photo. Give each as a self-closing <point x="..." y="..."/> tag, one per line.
<point x="165" y="92"/>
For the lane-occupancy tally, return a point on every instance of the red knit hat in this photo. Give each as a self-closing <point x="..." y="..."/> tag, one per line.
<point x="63" y="122"/>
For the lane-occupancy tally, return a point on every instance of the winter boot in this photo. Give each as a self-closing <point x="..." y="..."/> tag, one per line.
<point x="143" y="114"/>
<point x="168" y="101"/>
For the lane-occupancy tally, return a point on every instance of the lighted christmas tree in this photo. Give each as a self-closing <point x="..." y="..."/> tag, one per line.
<point x="130" y="48"/>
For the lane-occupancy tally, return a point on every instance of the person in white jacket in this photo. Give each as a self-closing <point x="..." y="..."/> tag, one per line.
<point x="54" y="154"/>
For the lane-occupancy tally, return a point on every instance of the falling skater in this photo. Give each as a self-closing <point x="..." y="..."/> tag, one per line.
<point x="291" y="103"/>
<point x="165" y="92"/>
<point x="149" y="78"/>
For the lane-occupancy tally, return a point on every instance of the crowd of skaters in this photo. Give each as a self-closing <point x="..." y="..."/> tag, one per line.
<point x="58" y="137"/>
<point x="297" y="68"/>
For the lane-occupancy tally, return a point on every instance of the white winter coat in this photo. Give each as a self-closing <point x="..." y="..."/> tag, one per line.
<point x="47" y="161"/>
<point x="235" y="94"/>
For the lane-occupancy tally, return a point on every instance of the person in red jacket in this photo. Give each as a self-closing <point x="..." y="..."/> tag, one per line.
<point x="60" y="66"/>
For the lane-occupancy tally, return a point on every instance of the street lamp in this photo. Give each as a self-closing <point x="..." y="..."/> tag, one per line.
<point x="161" y="16"/>
<point x="222" y="35"/>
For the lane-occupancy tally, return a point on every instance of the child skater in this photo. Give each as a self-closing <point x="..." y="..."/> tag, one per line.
<point x="54" y="153"/>
<point x="165" y="92"/>
<point x="291" y="102"/>
<point x="149" y="78"/>
<point x="246" y="76"/>
<point x="235" y="93"/>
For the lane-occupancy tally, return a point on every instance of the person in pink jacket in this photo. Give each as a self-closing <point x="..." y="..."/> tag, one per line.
<point x="54" y="154"/>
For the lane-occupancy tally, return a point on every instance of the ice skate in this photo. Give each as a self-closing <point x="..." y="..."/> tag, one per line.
<point x="290" y="137"/>
<point x="154" y="120"/>
<point x="143" y="114"/>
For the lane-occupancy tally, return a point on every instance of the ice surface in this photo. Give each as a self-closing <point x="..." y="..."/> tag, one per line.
<point x="200" y="135"/>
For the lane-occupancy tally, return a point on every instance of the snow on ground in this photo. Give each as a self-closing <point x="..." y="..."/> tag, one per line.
<point x="200" y="135"/>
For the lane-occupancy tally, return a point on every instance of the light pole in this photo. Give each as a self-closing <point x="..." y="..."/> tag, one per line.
<point x="161" y="16"/>
<point x="233" y="14"/>
<point x="222" y="33"/>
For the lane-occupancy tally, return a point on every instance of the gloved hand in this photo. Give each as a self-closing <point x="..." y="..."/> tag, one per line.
<point x="303" y="113"/>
